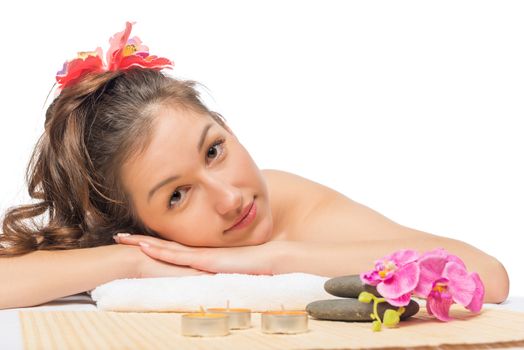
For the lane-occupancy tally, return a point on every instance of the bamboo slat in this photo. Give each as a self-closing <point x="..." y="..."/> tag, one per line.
<point x="491" y="329"/>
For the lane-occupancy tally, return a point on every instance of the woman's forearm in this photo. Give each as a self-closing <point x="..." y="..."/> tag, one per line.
<point x="42" y="276"/>
<point x="338" y="259"/>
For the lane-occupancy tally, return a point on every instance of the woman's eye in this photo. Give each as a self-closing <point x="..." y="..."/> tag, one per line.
<point x="177" y="197"/>
<point x="216" y="150"/>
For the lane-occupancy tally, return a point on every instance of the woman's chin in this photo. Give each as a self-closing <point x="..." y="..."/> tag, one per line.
<point x="260" y="234"/>
<point x="263" y="233"/>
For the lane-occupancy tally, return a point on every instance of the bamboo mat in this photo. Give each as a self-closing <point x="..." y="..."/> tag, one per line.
<point x="491" y="329"/>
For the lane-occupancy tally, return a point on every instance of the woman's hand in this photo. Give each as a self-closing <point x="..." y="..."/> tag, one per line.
<point x="249" y="259"/>
<point x="145" y="266"/>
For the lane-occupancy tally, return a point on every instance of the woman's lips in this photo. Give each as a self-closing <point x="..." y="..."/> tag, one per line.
<point x="247" y="217"/>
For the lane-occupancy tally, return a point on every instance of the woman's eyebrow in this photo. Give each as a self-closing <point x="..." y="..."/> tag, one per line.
<point x="174" y="177"/>
<point x="203" y="137"/>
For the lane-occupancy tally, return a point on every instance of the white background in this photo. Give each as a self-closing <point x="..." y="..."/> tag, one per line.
<point x="413" y="108"/>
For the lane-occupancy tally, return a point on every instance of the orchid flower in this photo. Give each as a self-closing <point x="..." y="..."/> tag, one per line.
<point x="438" y="276"/>
<point x="444" y="280"/>
<point x="395" y="276"/>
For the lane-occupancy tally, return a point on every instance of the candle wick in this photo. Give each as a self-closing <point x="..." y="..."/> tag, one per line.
<point x="227" y="305"/>
<point x="202" y="310"/>
<point x="282" y="307"/>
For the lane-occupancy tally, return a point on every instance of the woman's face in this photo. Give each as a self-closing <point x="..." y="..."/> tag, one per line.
<point x="197" y="185"/>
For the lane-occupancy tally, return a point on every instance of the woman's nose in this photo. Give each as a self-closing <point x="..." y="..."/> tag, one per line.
<point x="227" y="198"/>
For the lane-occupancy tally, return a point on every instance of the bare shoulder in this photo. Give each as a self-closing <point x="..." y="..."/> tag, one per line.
<point x="312" y="211"/>
<point x="278" y="178"/>
<point x="291" y="188"/>
<point x="297" y="201"/>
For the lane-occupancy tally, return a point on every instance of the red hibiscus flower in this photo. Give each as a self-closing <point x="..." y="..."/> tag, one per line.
<point x="123" y="53"/>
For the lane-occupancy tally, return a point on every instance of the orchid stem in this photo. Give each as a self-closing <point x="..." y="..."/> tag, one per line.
<point x="377" y="301"/>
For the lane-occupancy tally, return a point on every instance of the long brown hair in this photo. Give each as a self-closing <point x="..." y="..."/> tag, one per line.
<point x="91" y="128"/>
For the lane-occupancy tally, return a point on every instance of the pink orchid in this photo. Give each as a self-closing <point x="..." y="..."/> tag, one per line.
<point x="444" y="280"/>
<point x="431" y="265"/>
<point x="438" y="276"/>
<point x="439" y="300"/>
<point x="395" y="276"/>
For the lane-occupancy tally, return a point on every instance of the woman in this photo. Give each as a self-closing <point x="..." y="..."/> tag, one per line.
<point x="127" y="149"/>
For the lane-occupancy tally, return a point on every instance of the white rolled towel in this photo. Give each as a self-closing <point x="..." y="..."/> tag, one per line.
<point x="293" y="291"/>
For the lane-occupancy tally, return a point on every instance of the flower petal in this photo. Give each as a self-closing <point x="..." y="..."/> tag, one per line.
<point x="370" y="277"/>
<point x="403" y="281"/>
<point x="138" y="61"/>
<point x="461" y="286"/>
<point x="438" y="304"/>
<point x="403" y="256"/>
<point x="116" y="46"/>
<point x="78" y="68"/>
<point x="403" y="300"/>
<point x="478" y="296"/>
<point x="431" y="267"/>
<point x="441" y="252"/>
<point x="456" y="260"/>
<point x="138" y="43"/>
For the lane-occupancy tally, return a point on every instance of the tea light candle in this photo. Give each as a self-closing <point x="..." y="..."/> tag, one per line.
<point x="238" y="318"/>
<point x="284" y="321"/>
<point x="205" y="324"/>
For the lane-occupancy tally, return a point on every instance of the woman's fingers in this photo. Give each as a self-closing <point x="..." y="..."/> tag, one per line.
<point x="216" y="260"/>
<point x="252" y="259"/>
<point x="126" y="238"/>
<point x="172" y="256"/>
<point x="150" y="267"/>
<point x="167" y="251"/>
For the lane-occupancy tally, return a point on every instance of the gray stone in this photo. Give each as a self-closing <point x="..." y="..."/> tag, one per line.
<point x="353" y="310"/>
<point x="348" y="287"/>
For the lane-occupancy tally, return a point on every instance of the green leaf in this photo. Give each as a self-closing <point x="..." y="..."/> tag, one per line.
<point x="376" y="326"/>
<point x="391" y="318"/>
<point x="372" y="316"/>
<point x="365" y="297"/>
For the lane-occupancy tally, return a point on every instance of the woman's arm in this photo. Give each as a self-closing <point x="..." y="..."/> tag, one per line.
<point x="343" y="259"/>
<point x="323" y="258"/>
<point x="349" y="236"/>
<point x="41" y="276"/>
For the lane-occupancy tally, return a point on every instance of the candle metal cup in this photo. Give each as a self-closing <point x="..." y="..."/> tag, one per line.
<point x="238" y="318"/>
<point x="285" y="322"/>
<point x="200" y="324"/>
